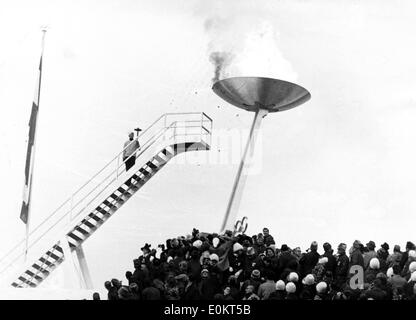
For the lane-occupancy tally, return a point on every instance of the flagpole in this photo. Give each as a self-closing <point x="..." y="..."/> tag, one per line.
<point x="34" y="119"/>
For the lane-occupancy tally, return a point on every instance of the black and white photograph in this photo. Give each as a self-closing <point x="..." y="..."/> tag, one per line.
<point x="207" y="154"/>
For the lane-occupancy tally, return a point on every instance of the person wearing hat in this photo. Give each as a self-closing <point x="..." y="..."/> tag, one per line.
<point x="280" y="292"/>
<point x="342" y="267"/>
<point x="395" y="257"/>
<point x="308" y="291"/>
<point x="207" y="287"/>
<point x="396" y="281"/>
<point x="309" y="260"/>
<point x="286" y="262"/>
<point x="356" y="256"/>
<point x="291" y="291"/>
<point x="369" y="254"/>
<point x="321" y="291"/>
<point x="255" y="281"/>
<point x="405" y="256"/>
<point x="329" y="254"/>
<point x="382" y="255"/>
<point x="129" y="152"/>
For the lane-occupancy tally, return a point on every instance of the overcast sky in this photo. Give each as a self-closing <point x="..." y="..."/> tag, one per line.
<point x="337" y="168"/>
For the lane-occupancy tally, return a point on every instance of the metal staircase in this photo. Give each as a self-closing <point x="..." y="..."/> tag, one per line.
<point x="69" y="226"/>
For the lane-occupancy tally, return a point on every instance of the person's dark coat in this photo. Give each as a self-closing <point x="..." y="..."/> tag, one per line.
<point x="341" y="271"/>
<point x="356" y="258"/>
<point x="286" y="260"/>
<point x="332" y="262"/>
<point x="308" y="262"/>
<point x="207" y="289"/>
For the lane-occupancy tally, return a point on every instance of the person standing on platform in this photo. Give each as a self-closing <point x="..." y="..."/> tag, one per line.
<point x="129" y="153"/>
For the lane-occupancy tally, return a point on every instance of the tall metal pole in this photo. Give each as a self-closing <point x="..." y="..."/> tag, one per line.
<point x="32" y="163"/>
<point x="240" y="179"/>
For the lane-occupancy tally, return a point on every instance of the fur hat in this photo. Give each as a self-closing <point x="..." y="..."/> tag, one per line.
<point x="290" y="287"/>
<point x="321" y="287"/>
<point x="293" y="277"/>
<point x="280" y="285"/>
<point x="390" y="272"/>
<point x="237" y="247"/>
<point x="412" y="267"/>
<point x="214" y="257"/>
<point x="197" y="244"/>
<point x="323" y="260"/>
<point x="374" y="264"/>
<point x="309" y="280"/>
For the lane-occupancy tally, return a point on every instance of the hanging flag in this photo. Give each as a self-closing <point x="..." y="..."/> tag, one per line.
<point x="24" y="213"/>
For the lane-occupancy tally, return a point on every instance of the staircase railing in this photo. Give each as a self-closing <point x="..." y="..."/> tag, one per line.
<point x="178" y="127"/>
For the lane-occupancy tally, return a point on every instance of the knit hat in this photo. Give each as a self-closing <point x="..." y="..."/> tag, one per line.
<point x="309" y="280"/>
<point x="412" y="267"/>
<point x="374" y="264"/>
<point x="290" y="287"/>
<point x="293" y="277"/>
<point x="214" y="257"/>
<point x="280" y="285"/>
<point x="197" y="244"/>
<point x="314" y="245"/>
<point x="237" y="247"/>
<point x="390" y="272"/>
<point x="215" y="242"/>
<point x="255" y="274"/>
<point x="204" y="271"/>
<point x="321" y="287"/>
<point x="323" y="260"/>
<point x="412" y="254"/>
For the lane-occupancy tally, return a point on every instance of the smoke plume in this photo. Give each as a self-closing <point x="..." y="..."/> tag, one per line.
<point x="242" y="41"/>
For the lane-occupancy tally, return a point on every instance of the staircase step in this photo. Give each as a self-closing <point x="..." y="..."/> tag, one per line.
<point x="83" y="231"/>
<point x="109" y="204"/>
<point x="52" y="255"/>
<point x="101" y="210"/>
<point x="58" y="248"/>
<point x="122" y="190"/>
<point x="45" y="261"/>
<point x="151" y="165"/>
<point x="144" y="171"/>
<point x="88" y="224"/>
<point x="40" y="269"/>
<point x="95" y="217"/>
<point x="75" y="237"/>
<point x="33" y="275"/>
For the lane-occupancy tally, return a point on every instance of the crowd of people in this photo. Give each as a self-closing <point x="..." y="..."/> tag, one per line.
<point x="205" y="266"/>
